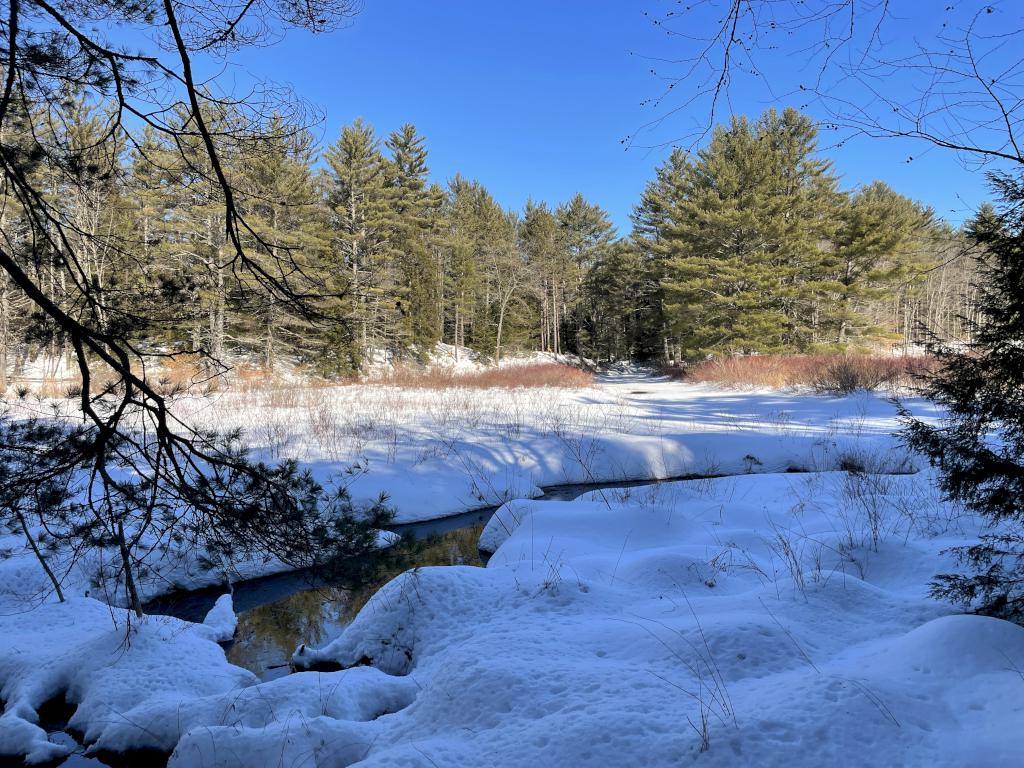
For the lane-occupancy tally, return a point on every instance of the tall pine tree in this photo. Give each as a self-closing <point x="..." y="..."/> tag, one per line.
<point x="414" y="211"/>
<point x="752" y="215"/>
<point x="357" y="195"/>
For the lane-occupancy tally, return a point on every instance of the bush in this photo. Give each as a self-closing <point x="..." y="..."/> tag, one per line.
<point x="978" y="446"/>
<point x="851" y="373"/>
<point x="508" y="377"/>
<point x="825" y="373"/>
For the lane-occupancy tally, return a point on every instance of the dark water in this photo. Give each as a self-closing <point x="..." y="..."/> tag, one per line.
<point x="276" y="613"/>
<point x="313" y="613"/>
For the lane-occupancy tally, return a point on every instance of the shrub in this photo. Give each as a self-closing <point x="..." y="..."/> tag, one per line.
<point x="825" y="373"/>
<point x="176" y="373"/>
<point x="508" y="377"/>
<point x="978" y="447"/>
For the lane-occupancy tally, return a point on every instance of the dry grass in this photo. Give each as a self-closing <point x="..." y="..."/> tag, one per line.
<point x="825" y="373"/>
<point x="510" y="377"/>
<point x="179" y="373"/>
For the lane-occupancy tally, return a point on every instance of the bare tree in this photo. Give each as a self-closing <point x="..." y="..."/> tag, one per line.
<point x="953" y="80"/>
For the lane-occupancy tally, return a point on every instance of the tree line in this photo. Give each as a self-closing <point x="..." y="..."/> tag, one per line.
<point x="748" y="245"/>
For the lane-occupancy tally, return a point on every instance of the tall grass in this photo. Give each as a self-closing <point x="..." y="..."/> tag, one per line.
<point x="509" y="377"/>
<point x="825" y="373"/>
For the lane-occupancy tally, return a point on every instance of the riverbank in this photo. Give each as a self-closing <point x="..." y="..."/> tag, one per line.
<point x="819" y="564"/>
<point x="441" y="453"/>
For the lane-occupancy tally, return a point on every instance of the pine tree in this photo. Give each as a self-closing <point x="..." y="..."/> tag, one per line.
<point x="414" y="211"/>
<point x="618" y="293"/>
<point x="543" y="251"/>
<point x="470" y="213"/>
<point x="357" y="177"/>
<point x="180" y="215"/>
<point x="752" y="214"/>
<point x="877" y="246"/>
<point x="652" y="236"/>
<point x="585" y="233"/>
<point x="978" y="449"/>
<point x="287" y="223"/>
<point x="507" y="271"/>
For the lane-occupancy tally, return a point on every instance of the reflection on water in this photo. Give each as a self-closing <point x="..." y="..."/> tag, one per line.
<point x="276" y="613"/>
<point x="268" y="634"/>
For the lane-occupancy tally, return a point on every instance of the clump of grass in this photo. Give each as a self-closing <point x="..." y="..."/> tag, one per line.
<point x="509" y="377"/>
<point x="850" y="373"/>
<point x="178" y="373"/>
<point x="823" y="372"/>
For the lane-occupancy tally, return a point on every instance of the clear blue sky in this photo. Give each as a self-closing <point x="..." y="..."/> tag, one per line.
<point x="533" y="99"/>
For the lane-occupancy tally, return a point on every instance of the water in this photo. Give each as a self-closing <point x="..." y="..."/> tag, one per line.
<point x="277" y="613"/>
<point x="315" y="613"/>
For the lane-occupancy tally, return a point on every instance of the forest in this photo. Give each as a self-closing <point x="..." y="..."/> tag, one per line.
<point x="748" y="245"/>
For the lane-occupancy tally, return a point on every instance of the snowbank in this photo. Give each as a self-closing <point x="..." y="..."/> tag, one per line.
<point x="106" y="662"/>
<point x="144" y="684"/>
<point x="221" y="619"/>
<point x="749" y="620"/>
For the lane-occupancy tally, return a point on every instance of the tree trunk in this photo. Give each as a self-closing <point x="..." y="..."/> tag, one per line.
<point x="129" y="577"/>
<point x="5" y="329"/>
<point x="502" y="307"/>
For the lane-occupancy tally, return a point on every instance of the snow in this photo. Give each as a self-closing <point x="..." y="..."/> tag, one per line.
<point x="107" y="662"/>
<point x="443" y="452"/>
<point x="603" y="628"/>
<point x="764" y="618"/>
<point x="459" y="359"/>
<point x="221" y="619"/>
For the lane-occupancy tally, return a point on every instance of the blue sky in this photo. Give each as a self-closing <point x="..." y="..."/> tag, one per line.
<point x="534" y="98"/>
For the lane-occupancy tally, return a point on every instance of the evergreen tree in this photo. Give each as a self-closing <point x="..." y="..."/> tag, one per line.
<point x="979" y="447"/>
<point x="618" y="290"/>
<point x="287" y="223"/>
<point x="16" y="313"/>
<point x="504" y="272"/>
<point x="414" y="211"/>
<point x="357" y="177"/>
<point x="180" y="215"/>
<point x="585" y="233"/>
<point x="753" y="213"/>
<point x="543" y="252"/>
<point x="878" y="245"/>
<point x="470" y="213"/>
<point x="652" y="236"/>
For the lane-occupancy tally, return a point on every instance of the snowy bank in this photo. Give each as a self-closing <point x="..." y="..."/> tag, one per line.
<point x="442" y="452"/>
<point x="753" y="620"/>
<point x="105" y="662"/>
<point x="764" y="619"/>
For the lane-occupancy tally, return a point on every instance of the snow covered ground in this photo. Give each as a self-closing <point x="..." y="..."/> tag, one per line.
<point x="441" y="452"/>
<point x="760" y="619"/>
